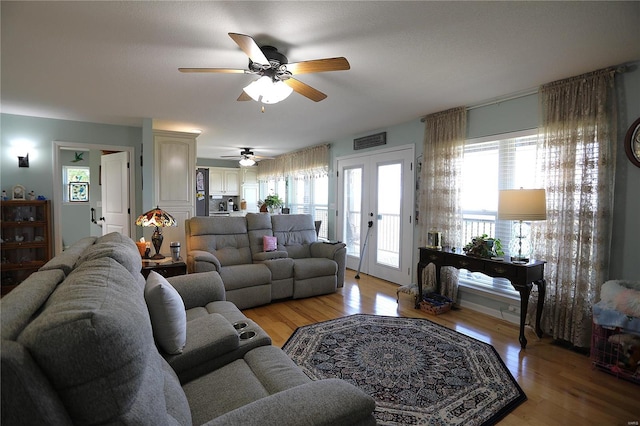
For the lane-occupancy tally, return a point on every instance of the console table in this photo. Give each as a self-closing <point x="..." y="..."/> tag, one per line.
<point x="521" y="276"/>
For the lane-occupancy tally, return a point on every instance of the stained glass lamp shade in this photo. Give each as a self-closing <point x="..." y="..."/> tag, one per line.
<point x="158" y="218"/>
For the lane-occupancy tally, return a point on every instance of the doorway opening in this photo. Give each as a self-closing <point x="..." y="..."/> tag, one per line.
<point x="73" y="220"/>
<point x="375" y="212"/>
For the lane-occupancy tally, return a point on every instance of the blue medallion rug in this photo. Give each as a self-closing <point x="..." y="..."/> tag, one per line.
<point x="419" y="372"/>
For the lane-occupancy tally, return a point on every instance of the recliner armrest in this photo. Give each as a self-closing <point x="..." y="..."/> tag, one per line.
<point x="340" y="403"/>
<point x="269" y="255"/>
<point x="208" y="337"/>
<point x="203" y="256"/>
<point x="199" y="289"/>
<point x="322" y="249"/>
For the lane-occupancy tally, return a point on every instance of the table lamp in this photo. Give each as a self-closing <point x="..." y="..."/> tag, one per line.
<point x="158" y="218"/>
<point x="522" y="205"/>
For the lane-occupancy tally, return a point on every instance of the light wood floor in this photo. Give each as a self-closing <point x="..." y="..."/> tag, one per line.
<point x="561" y="386"/>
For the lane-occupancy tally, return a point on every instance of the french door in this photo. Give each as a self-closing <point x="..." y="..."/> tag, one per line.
<point x="375" y="212"/>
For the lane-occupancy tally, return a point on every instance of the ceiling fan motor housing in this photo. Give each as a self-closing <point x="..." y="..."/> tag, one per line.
<point x="276" y="59"/>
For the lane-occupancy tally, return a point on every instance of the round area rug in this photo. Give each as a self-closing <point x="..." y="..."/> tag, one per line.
<point x="418" y="372"/>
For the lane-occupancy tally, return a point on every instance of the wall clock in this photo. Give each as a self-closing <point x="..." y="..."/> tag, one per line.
<point x="632" y="143"/>
<point x="18" y="192"/>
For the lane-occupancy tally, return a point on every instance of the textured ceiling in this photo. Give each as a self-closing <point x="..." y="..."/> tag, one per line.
<point x="116" y="62"/>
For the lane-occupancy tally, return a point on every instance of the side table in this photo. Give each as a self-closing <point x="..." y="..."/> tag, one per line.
<point x="521" y="276"/>
<point x="167" y="267"/>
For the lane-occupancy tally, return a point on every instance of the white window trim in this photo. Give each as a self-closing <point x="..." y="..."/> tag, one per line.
<point x="505" y="295"/>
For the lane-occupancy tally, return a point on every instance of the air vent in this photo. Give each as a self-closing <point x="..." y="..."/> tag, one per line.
<point x="370" y="141"/>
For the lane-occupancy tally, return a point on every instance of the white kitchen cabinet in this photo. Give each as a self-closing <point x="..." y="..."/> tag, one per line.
<point x="249" y="176"/>
<point x="224" y="181"/>
<point x="175" y="165"/>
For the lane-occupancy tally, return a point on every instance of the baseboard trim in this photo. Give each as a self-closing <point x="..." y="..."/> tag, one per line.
<point x="505" y="315"/>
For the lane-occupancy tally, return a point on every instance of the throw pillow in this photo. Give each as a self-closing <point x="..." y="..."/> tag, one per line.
<point x="269" y="243"/>
<point x="167" y="312"/>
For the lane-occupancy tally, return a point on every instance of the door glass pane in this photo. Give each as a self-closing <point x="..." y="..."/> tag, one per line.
<point x="352" y="209"/>
<point x="389" y="208"/>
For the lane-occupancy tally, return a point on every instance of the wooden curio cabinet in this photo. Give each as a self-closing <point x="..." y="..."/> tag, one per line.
<point x="25" y="239"/>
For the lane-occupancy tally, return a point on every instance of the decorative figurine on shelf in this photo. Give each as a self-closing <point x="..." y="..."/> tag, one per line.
<point x="4" y="195"/>
<point x="41" y="197"/>
<point x="31" y="195"/>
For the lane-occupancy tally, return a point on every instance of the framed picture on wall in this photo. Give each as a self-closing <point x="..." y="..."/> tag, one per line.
<point x="78" y="191"/>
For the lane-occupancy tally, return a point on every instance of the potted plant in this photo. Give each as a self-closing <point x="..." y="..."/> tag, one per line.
<point x="273" y="202"/>
<point x="483" y="246"/>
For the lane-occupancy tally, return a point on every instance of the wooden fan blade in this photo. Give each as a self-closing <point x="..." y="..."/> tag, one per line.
<point x="222" y="70"/>
<point x="250" y="48"/>
<point x="305" y="89"/>
<point x="318" y="65"/>
<point x="244" y="97"/>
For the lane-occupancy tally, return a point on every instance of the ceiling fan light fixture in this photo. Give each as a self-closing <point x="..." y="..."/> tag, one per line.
<point x="267" y="91"/>
<point x="247" y="162"/>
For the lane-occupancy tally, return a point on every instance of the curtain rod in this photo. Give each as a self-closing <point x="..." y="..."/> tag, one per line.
<point x="496" y="101"/>
<point x="621" y="69"/>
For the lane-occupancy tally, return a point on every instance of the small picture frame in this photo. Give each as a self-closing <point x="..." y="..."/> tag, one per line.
<point x="18" y="192"/>
<point x="78" y="192"/>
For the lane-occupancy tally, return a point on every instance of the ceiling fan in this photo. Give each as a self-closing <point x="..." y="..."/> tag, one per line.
<point x="266" y="61"/>
<point x="247" y="157"/>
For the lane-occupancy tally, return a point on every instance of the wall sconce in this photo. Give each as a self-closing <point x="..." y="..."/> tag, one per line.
<point x="23" y="161"/>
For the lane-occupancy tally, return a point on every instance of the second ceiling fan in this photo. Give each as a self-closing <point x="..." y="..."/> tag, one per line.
<point x="276" y="82"/>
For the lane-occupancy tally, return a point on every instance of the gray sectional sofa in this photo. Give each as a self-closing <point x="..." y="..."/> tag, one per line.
<point x="81" y="344"/>
<point x="301" y="266"/>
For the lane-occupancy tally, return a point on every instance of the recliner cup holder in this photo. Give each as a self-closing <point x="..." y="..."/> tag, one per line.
<point x="246" y="335"/>
<point x="240" y="325"/>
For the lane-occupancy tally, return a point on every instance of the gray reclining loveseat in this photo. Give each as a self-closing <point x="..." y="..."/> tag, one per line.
<point x="301" y="266"/>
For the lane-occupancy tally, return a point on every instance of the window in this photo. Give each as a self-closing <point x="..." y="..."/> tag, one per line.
<point x="303" y="195"/>
<point x="75" y="183"/>
<point x="490" y="164"/>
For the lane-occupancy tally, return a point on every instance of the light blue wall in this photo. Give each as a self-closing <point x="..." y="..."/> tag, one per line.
<point x="38" y="134"/>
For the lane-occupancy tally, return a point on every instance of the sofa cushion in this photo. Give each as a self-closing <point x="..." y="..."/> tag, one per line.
<point x="314" y="267"/>
<point x="27" y="396"/>
<point x="241" y="276"/>
<point x="295" y="233"/>
<point x="66" y="260"/>
<point x="124" y="252"/>
<point x="225" y="237"/>
<point x="258" y="226"/>
<point x="19" y="306"/>
<point x="167" y="312"/>
<point x="93" y="341"/>
<point x="237" y="386"/>
<point x="176" y="401"/>
<point x="263" y="371"/>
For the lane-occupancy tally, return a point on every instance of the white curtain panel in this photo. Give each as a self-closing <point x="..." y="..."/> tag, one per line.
<point x="440" y="189"/>
<point x="577" y="154"/>
<point x="306" y="164"/>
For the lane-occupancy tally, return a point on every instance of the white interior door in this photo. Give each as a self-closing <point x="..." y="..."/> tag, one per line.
<point x="375" y="220"/>
<point x="115" y="193"/>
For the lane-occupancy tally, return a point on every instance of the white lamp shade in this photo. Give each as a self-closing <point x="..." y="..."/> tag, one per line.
<point x="268" y="91"/>
<point x="522" y="204"/>
<point x="247" y="162"/>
